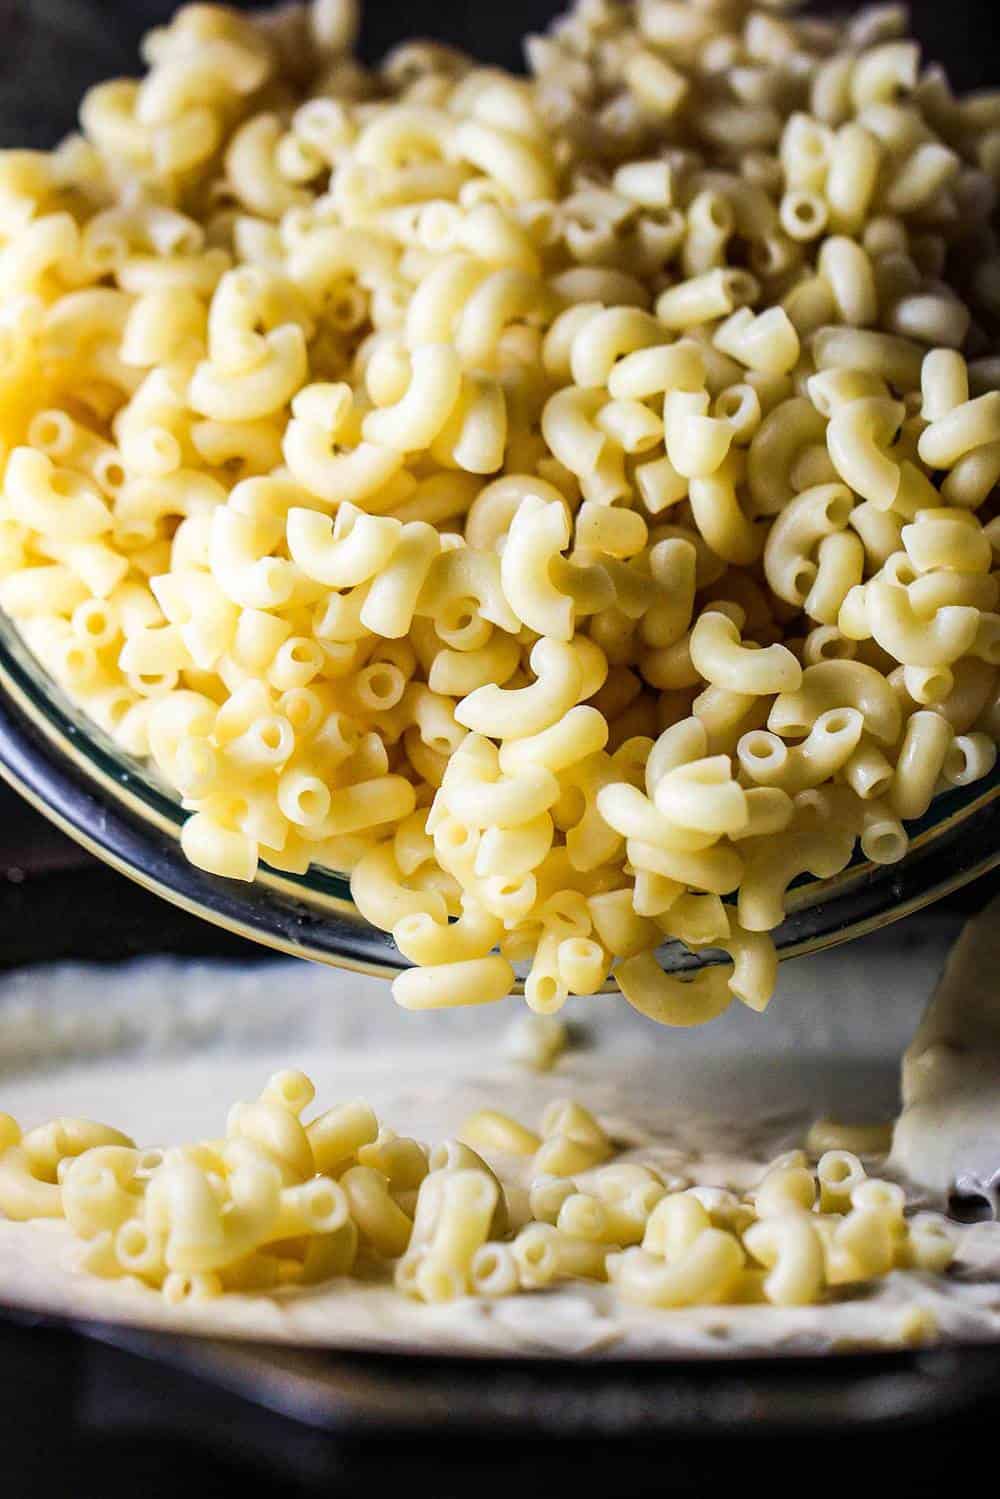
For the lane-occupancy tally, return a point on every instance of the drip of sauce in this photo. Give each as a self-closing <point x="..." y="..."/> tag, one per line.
<point x="947" y="1138"/>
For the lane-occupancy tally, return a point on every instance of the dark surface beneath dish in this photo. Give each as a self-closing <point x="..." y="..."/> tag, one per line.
<point x="87" y="1419"/>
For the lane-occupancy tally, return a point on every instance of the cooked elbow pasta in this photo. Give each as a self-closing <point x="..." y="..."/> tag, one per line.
<point x="406" y="460"/>
<point x="281" y="1204"/>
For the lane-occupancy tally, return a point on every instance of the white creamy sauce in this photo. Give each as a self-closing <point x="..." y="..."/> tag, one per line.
<point x="162" y="1048"/>
<point x="947" y="1137"/>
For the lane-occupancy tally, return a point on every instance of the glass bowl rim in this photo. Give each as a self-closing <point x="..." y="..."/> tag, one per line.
<point x="70" y="770"/>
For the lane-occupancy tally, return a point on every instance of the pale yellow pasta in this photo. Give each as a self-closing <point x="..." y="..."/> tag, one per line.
<point x="428" y="425"/>
<point x="380" y="1221"/>
<point x="696" y="443"/>
<point x="787" y="430"/>
<point x="715" y="294"/>
<point x="474" y="981"/>
<point x="831" y="684"/>
<point x="790" y="1249"/>
<point x="544" y="1255"/>
<point x="720" y="657"/>
<point x="716" y="510"/>
<point x="282" y="1202"/>
<point x="927" y="740"/>
<point x="944" y="383"/>
<point x="830" y="744"/>
<point x="703" y="795"/>
<point x="770" y="871"/>
<point x="466" y="1203"/>
<point x="839" y="567"/>
<point x="914" y="639"/>
<point x="814" y="514"/>
<point x="965" y="427"/>
<point x="766" y="342"/>
<point x="705" y="1272"/>
<point x="858" y="437"/>
<point x="490" y="1131"/>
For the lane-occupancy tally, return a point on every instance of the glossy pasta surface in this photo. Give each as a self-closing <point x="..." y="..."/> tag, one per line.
<point x="279" y="1201"/>
<point x="564" y="503"/>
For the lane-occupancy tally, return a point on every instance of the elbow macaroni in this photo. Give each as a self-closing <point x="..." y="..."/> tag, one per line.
<point x="281" y="1202"/>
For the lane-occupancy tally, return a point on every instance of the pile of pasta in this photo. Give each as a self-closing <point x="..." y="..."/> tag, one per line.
<point x="281" y="1203"/>
<point x="560" y="502"/>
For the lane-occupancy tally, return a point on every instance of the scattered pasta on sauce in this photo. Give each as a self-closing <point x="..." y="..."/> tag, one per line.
<point x="558" y="502"/>
<point x="278" y="1202"/>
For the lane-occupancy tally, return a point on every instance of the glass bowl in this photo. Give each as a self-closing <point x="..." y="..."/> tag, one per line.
<point x="118" y="809"/>
<point x="116" y="806"/>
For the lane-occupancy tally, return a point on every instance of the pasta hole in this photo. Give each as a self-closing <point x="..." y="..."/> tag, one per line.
<point x="107" y="250"/>
<point x="382" y="684"/>
<point x="885" y="848"/>
<point x="741" y="286"/>
<point x="803" y="579"/>
<point x="49" y="431"/>
<point x="77" y="659"/>
<point x="957" y="762"/>
<point x="117" y="708"/>
<point x="313" y="803"/>
<point x="765" y="257"/>
<point x="299" y="715"/>
<point x="95" y="622"/>
<point x="113" y="475"/>
<point x="937" y="686"/>
<point x="970" y="1206"/>
<point x="758" y="747"/>
<point x="322" y="1202"/>
<point x="838" y="510"/>
<point x="133" y="1243"/>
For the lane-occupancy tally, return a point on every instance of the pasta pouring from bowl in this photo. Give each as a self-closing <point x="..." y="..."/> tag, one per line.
<point x="564" y="503"/>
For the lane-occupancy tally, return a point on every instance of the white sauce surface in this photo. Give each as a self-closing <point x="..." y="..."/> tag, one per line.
<point x="948" y="1134"/>
<point x="162" y="1048"/>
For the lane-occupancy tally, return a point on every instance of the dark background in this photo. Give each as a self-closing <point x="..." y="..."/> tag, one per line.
<point x="80" y="1421"/>
<point x="51" y="49"/>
